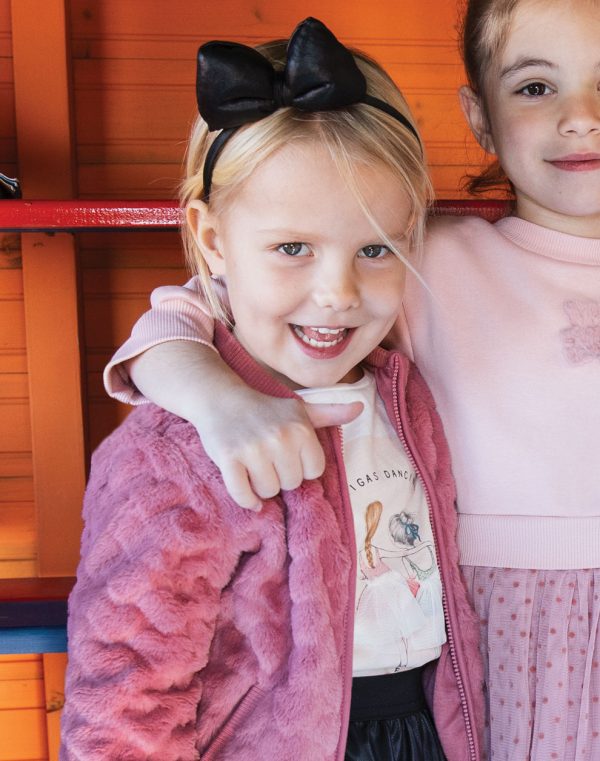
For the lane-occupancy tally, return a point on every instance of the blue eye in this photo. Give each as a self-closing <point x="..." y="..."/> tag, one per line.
<point x="293" y="249"/>
<point x="534" y="90"/>
<point x="374" y="251"/>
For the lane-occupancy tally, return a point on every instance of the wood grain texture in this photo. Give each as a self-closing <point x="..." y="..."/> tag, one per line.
<point x="134" y="79"/>
<point x="23" y="730"/>
<point x="50" y="287"/>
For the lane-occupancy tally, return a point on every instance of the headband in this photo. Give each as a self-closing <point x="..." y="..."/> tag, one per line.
<point x="236" y="85"/>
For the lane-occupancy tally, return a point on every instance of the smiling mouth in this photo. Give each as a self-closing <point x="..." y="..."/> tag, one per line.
<point x="578" y="163"/>
<point x="320" y="338"/>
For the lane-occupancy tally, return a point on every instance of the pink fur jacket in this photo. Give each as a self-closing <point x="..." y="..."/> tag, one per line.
<point x="199" y="630"/>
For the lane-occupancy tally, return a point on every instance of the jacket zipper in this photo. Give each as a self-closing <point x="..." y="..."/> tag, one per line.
<point x="338" y="445"/>
<point x="451" y="643"/>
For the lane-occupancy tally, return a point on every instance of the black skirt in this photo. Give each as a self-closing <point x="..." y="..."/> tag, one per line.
<point x="390" y="721"/>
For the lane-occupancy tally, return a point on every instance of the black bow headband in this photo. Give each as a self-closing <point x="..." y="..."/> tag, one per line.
<point x="236" y="85"/>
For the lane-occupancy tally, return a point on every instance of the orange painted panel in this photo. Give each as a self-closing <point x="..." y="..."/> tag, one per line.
<point x="20" y="667"/>
<point x="22" y="709"/>
<point x="15" y="464"/>
<point x="118" y="272"/>
<point x="16" y="489"/>
<point x="134" y="74"/>
<point x="24" y="735"/>
<point x="15" y="426"/>
<point x="49" y="273"/>
<point x="17" y="532"/>
<point x="55" y="665"/>
<point x="8" y="145"/>
<point x="21" y="693"/>
<point x="12" y="326"/>
<point x="352" y="20"/>
<point x="104" y="417"/>
<point x="17" y="552"/>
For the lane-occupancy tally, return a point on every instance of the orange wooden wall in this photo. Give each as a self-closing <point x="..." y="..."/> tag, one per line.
<point x="132" y="74"/>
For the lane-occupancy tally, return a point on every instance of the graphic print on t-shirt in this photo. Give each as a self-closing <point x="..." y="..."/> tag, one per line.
<point x="399" y="620"/>
<point x="398" y="600"/>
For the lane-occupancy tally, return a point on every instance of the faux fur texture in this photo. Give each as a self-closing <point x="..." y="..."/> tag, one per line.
<point x="200" y="630"/>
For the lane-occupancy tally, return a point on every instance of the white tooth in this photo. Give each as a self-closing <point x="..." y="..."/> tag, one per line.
<point x="319" y="344"/>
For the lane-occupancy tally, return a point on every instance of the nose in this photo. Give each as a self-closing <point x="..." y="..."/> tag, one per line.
<point x="581" y="115"/>
<point x="336" y="287"/>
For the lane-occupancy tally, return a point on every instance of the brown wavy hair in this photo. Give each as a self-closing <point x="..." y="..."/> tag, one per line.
<point x="484" y="31"/>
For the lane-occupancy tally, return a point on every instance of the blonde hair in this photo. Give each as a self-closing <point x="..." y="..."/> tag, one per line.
<point x="372" y="517"/>
<point x="359" y="133"/>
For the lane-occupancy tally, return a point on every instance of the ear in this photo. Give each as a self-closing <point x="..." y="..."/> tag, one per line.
<point x="475" y="116"/>
<point x="204" y="227"/>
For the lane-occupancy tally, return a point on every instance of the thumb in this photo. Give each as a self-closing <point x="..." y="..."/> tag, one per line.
<point x="321" y="415"/>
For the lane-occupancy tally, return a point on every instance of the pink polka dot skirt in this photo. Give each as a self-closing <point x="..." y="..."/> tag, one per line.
<point x="540" y="643"/>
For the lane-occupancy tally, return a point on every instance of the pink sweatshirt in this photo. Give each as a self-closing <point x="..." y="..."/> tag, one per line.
<point x="508" y="339"/>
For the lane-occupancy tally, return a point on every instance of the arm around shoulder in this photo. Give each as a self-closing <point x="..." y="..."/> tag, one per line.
<point x="178" y="313"/>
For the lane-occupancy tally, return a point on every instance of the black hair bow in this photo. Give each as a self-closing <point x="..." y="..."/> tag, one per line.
<point x="236" y="85"/>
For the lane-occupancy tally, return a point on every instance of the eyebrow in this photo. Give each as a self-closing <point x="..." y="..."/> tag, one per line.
<point x="526" y="63"/>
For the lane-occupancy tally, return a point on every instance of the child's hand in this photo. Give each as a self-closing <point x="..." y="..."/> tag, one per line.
<point x="260" y="444"/>
<point x="264" y="444"/>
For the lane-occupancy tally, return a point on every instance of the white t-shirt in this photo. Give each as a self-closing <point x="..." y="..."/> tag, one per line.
<point x="399" y="620"/>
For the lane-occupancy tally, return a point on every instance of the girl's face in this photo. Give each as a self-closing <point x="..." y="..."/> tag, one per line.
<point x="543" y="100"/>
<point x="312" y="286"/>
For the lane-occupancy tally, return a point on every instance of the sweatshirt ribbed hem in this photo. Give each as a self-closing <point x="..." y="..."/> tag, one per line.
<point x="525" y="541"/>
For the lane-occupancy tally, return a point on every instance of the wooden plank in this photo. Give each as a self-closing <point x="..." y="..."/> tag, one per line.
<point x="134" y="72"/>
<point x="15" y="464"/>
<point x="50" y="279"/>
<point x="12" y="332"/>
<point x="16" y="489"/>
<point x="55" y="665"/>
<point x="18" y="532"/>
<point x="22" y="693"/>
<point x="13" y="386"/>
<point x="17" y="569"/>
<point x="24" y="735"/>
<point x="15" y="430"/>
<point x="353" y="22"/>
<point x="105" y="416"/>
<point x="23" y="730"/>
<point x="39" y="32"/>
<point x="39" y="35"/>
<point x="20" y="667"/>
<point x="13" y="360"/>
<point x="21" y="590"/>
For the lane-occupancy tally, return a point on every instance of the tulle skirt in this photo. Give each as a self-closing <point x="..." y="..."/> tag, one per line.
<point x="540" y="643"/>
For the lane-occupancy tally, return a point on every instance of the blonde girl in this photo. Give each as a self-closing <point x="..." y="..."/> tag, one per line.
<point x="198" y="630"/>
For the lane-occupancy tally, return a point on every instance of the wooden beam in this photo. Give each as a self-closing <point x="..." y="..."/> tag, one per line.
<point x="43" y="110"/>
<point x="55" y="665"/>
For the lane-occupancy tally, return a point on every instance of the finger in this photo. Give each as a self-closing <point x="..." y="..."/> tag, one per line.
<point x="290" y="471"/>
<point x="312" y="457"/>
<point x="237" y="483"/>
<point x="321" y="415"/>
<point x="263" y="478"/>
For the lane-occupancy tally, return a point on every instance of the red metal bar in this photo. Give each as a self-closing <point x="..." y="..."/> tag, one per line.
<point x="490" y="210"/>
<point x="70" y="216"/>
